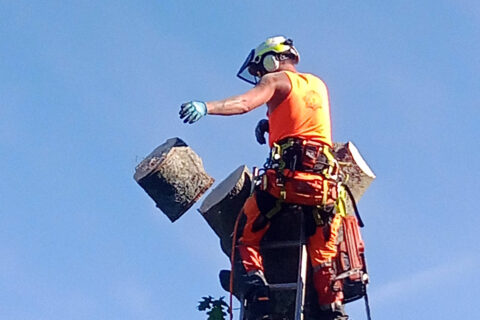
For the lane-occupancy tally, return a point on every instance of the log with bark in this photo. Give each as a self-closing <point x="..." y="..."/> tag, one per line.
<point x="174" y="177"/>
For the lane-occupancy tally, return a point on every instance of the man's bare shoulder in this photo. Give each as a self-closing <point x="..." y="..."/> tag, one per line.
<point x="275" y="78"/>
<point x="278" y="80"/>
<point x="281" y="83"/>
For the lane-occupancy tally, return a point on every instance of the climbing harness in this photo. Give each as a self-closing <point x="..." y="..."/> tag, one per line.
<point x="303" y="155"/>
<point x="287" y="170"/>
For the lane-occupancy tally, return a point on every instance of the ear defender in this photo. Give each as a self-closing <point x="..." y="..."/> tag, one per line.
<point x="271" y="63"/>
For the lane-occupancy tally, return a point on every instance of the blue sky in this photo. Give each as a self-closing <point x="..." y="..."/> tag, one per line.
<point x="88" y="88"/>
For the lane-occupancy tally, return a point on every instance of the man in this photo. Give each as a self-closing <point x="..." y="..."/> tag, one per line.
<point x="301" y="169"/>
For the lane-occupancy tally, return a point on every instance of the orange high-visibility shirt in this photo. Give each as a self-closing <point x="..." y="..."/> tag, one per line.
<point x="305" y="113"/>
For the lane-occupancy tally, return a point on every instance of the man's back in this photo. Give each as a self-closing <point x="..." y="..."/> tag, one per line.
<point x="304" y="113"/>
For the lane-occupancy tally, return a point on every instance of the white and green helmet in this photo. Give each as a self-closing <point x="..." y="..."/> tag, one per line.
<point x="266" y="58"/>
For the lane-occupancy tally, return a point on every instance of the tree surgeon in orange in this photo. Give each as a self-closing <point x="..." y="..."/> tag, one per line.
<point x="301" y="169"/>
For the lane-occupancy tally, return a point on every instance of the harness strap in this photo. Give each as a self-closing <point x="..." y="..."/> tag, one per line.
<point x="331" y="172"/>
<point x="277" y="153"/>
<point x="299" y="152"/>
<point x="317" y="216"/>
<point x="331" y="159"/>
<point x="340" y="203"/>
<point x="276" y="209"/>
<point x="325" y="192"/>
<point x="354" y="204"/>
<point x="278" y="162"/>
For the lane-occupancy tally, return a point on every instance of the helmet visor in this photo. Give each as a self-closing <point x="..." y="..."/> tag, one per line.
<point x="244" y="72"/>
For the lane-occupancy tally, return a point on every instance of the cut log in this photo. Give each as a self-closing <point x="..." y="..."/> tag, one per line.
<point x="174" y="177"/>
<point x="222" y="206"/>
<point x="360" y="176"/>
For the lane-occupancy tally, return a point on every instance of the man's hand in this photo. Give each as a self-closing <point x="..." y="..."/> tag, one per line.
<point x="192" y="111"/>
<point x="262" y="127"/>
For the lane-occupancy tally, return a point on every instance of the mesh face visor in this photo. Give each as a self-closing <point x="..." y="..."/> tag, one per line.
<point x="248" y="69"/>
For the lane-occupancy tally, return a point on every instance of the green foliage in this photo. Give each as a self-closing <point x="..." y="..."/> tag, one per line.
<point x="215" y="308"/>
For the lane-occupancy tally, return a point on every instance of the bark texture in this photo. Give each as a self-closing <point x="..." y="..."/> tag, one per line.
<point x="174" y="177"/>
<point x="359" y="174"/>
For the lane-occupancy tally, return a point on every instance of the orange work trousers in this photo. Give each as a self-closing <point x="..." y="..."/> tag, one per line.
<point x="321" y="251"/>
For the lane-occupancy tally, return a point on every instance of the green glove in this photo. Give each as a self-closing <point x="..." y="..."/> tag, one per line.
<point x="192" y="111"/>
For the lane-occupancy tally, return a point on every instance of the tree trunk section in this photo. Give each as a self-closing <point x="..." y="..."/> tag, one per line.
<point x="174" y="177"/>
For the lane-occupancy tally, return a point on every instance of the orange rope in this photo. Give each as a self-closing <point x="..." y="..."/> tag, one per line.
<point x="232" y="261"/>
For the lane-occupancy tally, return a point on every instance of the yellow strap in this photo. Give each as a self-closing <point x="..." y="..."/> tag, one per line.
<point x="276" y="149"/>
<point x="277" y="155"/>
<point x="288" y="144"/>
<point x="325" y="192"/>
<point x="340" y="203"/>
<point x="331" y="159"/>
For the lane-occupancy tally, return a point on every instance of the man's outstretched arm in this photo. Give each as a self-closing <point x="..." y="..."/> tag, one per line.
<point x="263" y="92"/>
<point x="243" y="103"/>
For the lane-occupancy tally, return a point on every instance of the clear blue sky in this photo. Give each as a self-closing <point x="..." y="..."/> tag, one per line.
<point x="88" y="88"/>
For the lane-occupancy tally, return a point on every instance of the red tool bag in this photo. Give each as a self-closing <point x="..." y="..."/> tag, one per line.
<point x="350" y="262"/>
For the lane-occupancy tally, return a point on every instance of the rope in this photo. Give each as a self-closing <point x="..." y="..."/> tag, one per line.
<point x="367" y="307"/>
<point x="232" y="261"/>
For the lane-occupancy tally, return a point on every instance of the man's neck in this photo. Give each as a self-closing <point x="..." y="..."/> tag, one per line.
<point x="287" y="67"/>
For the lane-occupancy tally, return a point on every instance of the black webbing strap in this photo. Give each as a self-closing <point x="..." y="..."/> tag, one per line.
<point x="367" y="306"/>
<point x="354" y="203"/>
<point x="276" y="209"/>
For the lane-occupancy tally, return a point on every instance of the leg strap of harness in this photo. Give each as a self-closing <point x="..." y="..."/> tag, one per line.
<point x="276" y="209"/>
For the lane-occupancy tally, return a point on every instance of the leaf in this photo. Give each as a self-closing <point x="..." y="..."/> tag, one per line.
<point x="216" y="314"/>
<point x="219" y="303"/>
<point x="205" y="303"/>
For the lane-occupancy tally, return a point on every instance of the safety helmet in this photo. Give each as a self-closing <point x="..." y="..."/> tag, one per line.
<point x="266" y="58"/>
